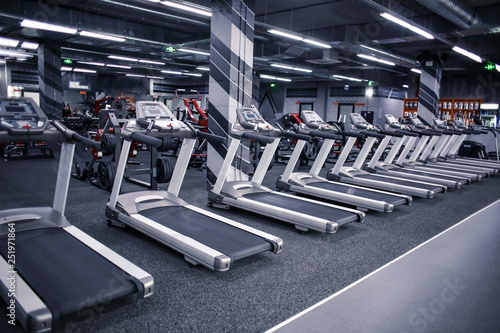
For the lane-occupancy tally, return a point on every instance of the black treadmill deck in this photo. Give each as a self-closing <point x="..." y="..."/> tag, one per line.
<point x="65" y="273"/>
<point x="339" y="216"/>
<point x="227" y="239"/>
<point x="330" y="186"/>
<point x="427" y="187"/>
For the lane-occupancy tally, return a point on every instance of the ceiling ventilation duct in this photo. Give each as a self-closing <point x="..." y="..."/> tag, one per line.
<point x="329" y="57"/>
<point x="454" y="11"/>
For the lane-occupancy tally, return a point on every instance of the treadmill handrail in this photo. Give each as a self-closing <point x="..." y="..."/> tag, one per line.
<point x="324" y="135"/>
<point x="373" y="134"/>
<point x="408" y="133"/>
<point x="73" y="136"/>
<point x="257" y="137"/>
<point x="293" y="135"/>
<point x="155" y="142"/>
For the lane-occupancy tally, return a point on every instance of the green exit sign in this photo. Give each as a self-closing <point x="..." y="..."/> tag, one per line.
<point x="68" y="61"/>
<point x="170" y="49"/>
<point x="489" y="66"/>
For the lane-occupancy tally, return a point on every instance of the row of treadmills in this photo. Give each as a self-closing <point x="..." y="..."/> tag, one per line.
<point x="58" y="267"/>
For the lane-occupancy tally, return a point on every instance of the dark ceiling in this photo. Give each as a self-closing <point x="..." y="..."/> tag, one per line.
<point x="345" y="25"/>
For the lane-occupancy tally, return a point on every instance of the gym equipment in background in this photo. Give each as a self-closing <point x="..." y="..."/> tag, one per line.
<point x="356" y="175"/>
<point x="250" y="195"/>
<point x="201" y="236"/>
<point x="310" y="183"/>
<point x="58" y="269"/>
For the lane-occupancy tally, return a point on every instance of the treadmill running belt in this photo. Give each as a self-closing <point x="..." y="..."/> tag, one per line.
<point x="401" y="182"/>
<point x="339" y="216"/>
<point x="66" y="274"/>
<point x="391" y="199"/>
<point x="231" y="241"/>
<point x="427" y="174"/>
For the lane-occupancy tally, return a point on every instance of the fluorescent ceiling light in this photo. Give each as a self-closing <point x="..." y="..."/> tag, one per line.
<point x="66" y="69"/>
<point x="347" y="78"/>
<point x="29" y="45"/>
<point x="186" y="8"/>
<point x="407" y="25"/>
<point x="284" y="34"/>
<point x="118" y="66"/>
<point x="264" y="76"/>
<point x="310" y="41"/>
<point x="406" y="86"/>
<point x="47" y="26"/>
<point x="172" y="72"/>
<point x="135" y="75"/>
<point x="2" y="61"/>
<point x="156" y="77"/>
<point x="122" y="58"/>
<point x="466" y="53"/>
<point x="8" y="53"/>
<point x="101" y="36"/>
<point x="151" y="62"/>
<point x="7" y="42"/>
<point x="83" y="70"/>
<point x="194" y="51"/>
<point x="193" y="74"/>
<point x="22" y="59"/>
<point x="369" y="92"/>
<point x="201" y="68"/>
<point x="382" y="61"/>
<point x="156" y="1"/>
<point x="497" y="66"/>
<point x="380" y="51"/>
<point x="292" y="67"/>
<point x="92" y="63"/>
<point x="489" y="106"/>
<point x="416" y="70"/>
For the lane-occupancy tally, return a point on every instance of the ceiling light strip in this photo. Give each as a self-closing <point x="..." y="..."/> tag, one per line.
<point x="407" y="25"/>
<point x="466" y="53"/>
<point x="47" y="26"/>
<point x="191" y="9"/>
<point x="101" y="36"/>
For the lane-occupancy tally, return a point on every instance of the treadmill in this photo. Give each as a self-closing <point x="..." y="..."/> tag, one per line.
<point x="201" y="236"/>
<point x="425" y="156"/>
<point x="306" y="214"/>
<point x="311" y="184"/>
<point x="57" y="269"/>
<point x="404" y="167"/>
<point x="356" y="175"/>
<point x="462" y="133"/>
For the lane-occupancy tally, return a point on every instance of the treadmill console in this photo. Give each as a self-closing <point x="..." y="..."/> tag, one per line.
<point x="249" y="118"/>
<point x="457" y="123"/>
<point x="417" y="123"/>
<point x="164" y="120"/>
<point x="392" y="121"/>
<point x="439" y="123"/>
<point x="312" y="120"/>
<point x="21" y="116"/>
<point x="360" y="123"/>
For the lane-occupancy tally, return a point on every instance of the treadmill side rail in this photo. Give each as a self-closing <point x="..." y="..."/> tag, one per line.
<point x="145" y="278"/>
<point x="30" y="310"/>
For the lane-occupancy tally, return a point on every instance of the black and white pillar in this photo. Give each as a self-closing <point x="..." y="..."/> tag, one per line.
<point x="231" y="73"/>
<point x="430" y="83"/>
<point x="49" y="73"/>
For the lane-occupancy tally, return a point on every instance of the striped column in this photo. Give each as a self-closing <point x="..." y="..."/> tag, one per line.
<point x="230" y="84"/>
<point x="430" y="83"/>
<point x="49" y="73"/>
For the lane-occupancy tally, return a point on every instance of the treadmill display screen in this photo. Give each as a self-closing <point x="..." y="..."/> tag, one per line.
<point x="311" y="117"/>
<point x="251" y="116"/>
<point x="16" y="109"/>
<point x="153" y="110"/>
